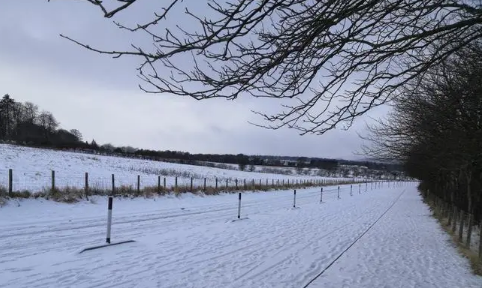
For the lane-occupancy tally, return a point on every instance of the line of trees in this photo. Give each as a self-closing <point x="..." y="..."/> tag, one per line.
<point x="436" y="129"/>
<point x="23" y="123"/>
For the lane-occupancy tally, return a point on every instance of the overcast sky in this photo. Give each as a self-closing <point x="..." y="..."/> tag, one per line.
<point x="99" y="95"/>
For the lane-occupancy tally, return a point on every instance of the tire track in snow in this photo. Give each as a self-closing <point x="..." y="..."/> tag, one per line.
<point x="354" y="242"/>
<point x="296" y="250"/>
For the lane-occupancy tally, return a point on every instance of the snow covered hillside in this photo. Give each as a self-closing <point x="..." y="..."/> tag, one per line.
<point x="383" y="237"/>
<point x="32" y="170"/>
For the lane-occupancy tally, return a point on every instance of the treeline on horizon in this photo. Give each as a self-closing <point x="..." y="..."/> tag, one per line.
<point x="24" y="124"/>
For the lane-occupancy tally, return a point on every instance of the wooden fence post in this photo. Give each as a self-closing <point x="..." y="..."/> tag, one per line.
<point x="216" y="183"/>
<point x="454" y="223"/>
<point x="53" y="180"/>
<point x="113" y="184"/>
<point x="469" y="230"/>
<point x="204" y="185"/>
<point x="10" y="182"/>
<point x="165" y="184"/>
<point x="138" y="184"/>
<point x="159" y="184"/>
<point x="461" y="227"/>
<point x="480" y="242"/>
<point x="175" y="185"/>
<point x="86" y="186"/>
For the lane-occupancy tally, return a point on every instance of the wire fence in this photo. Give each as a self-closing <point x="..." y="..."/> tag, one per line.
<point x="34" y="182"/>
<point x="459" y="222"/>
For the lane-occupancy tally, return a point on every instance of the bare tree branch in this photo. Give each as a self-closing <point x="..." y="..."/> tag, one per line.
<point x="326" y="61"/>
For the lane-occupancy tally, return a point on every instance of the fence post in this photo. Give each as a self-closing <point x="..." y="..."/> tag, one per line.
<point x="454" y="224"/>
<point x="86" y="187"/>
<point x="158" y="184"/>
<point x="165" y="184"/>
<point x="245" y="187"/>
<point x="239" y="206"/>
<point x="216" y="183"/>
<point x="461" y="227"/>
<point x="470" y="221"/>
<point x="175" y="185"/>
<point x="359" y="188"/>
<point x="191" y="185"/>
<point x="53" y="180"/>
<point x="321" y="195"/>
<point x="138" y="184"/>
<point x="113" y="184"/>
<point x="204" y="185"/>
<point x="480" y="242"/>
<point x="339" y="192"/>
<point x="236" y="182"/>
<point x="351" y="190"/>
<point x="294" y="198"/>
<point x="109" y="218"/>
<point x="10" y="182"/>
<point x="227" y="184"/>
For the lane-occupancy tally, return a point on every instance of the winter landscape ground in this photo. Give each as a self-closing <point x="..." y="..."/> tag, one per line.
<point x="32" y="170"/>
<point x="381" y="237"/>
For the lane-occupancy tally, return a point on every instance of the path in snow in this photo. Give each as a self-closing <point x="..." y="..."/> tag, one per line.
<point x="199" y="246"/>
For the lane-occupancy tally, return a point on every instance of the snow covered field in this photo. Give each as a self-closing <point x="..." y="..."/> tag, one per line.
<point x="379" y="238"/>
<point x="32" y="170"/>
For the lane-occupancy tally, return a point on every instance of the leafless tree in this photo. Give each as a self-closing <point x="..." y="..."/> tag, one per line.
<point x="334" y="59"/>
<point x="436" y="129"/>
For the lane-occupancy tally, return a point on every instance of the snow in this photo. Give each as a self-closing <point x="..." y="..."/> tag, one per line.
<point x="192" y="241"/>
<point x="32" y="171"/>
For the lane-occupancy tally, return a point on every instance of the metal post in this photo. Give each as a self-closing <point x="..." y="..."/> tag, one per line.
<point x="204" y="184"/>
<point x="109" y="219"/>
<point x="351" y="190"/>
<point x="321" y="195"/>
<point x="164" y="184"/>
<point x="339" y="192"/>
<point x="138" y="184"/>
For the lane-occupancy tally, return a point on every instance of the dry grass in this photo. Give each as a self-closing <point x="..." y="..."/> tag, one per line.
<point x="472" y="256"/>
<point x="73" y="195"/>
